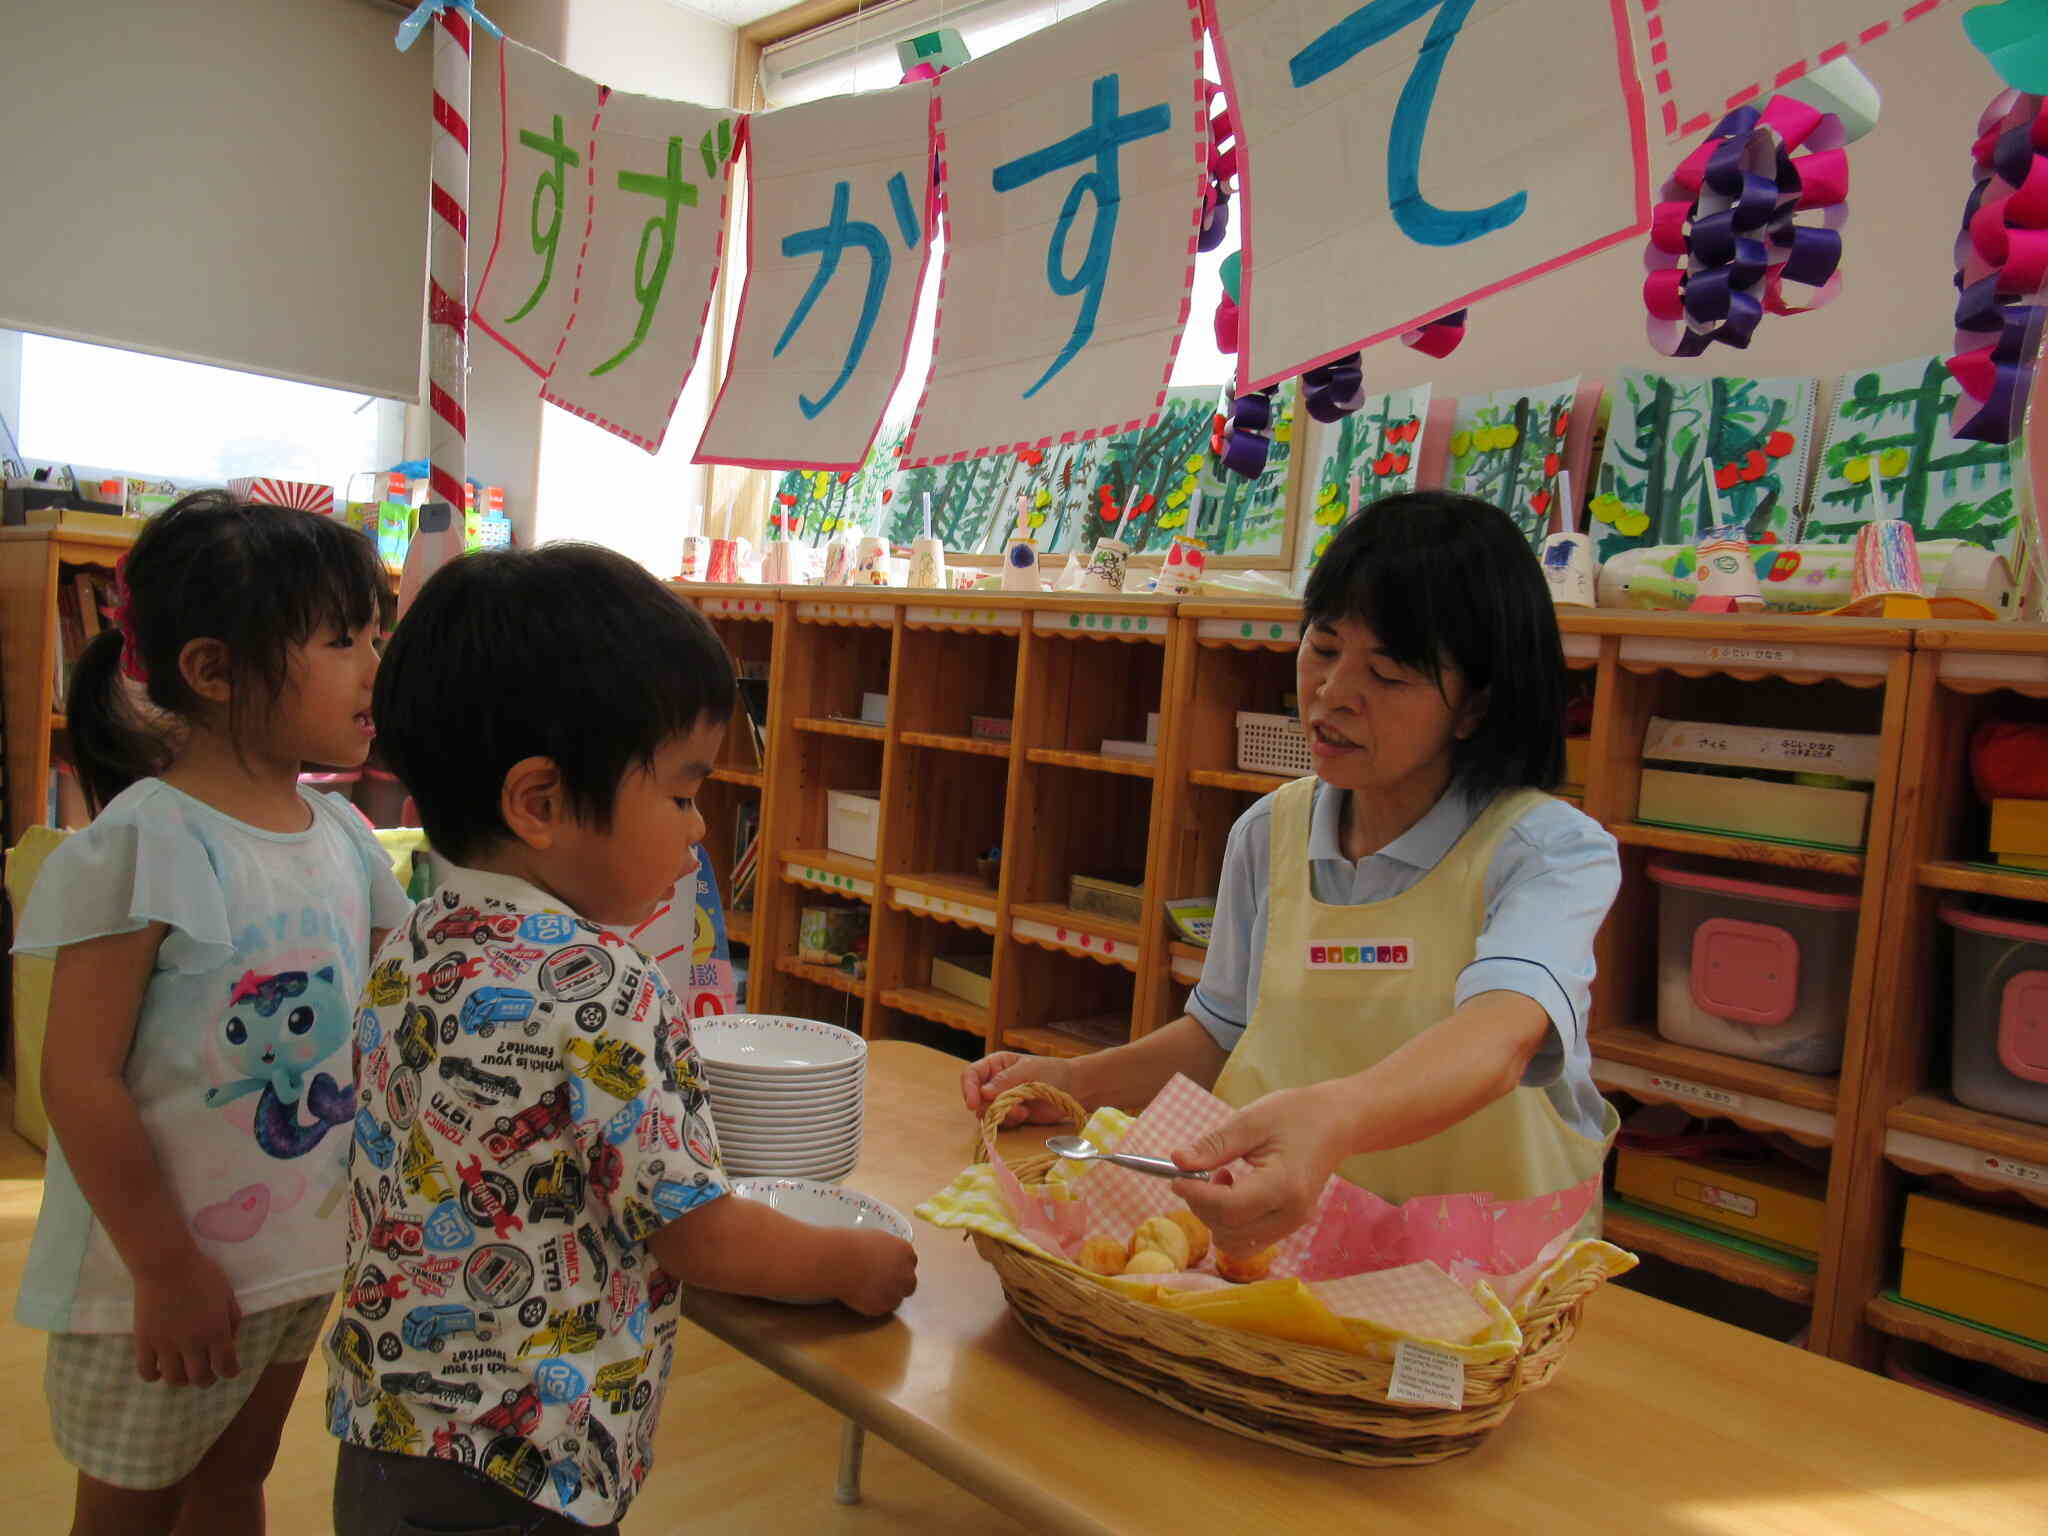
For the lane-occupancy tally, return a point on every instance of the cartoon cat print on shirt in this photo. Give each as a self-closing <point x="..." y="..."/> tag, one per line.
<point x="277" y="1027"/>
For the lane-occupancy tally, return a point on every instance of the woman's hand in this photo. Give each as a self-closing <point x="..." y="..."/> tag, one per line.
<point x="185" y="1321"/>
<point x="1293" y="1140"/>
<point x="990" y="1077"/>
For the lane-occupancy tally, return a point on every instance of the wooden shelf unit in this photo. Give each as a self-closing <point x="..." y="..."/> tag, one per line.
<point x="1848" y="675"/>
<point x="30" y="562"/>
<point x="1057" y="807"/>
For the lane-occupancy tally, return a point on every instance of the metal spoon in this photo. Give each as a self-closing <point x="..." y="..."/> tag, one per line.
<point x="1077" y="1150"/>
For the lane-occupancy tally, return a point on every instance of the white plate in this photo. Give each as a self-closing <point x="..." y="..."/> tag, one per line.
<point x="774" y="1103"/>
<point x="791" y="1150"/>
<point x="767" y="1095"/>
<point x="783" y="1135"/>
<point x="824" y="1205"/>
<point x="728" y="1113"/>
<point x="776" y="1044"/>
<point x="829" y="1169"/>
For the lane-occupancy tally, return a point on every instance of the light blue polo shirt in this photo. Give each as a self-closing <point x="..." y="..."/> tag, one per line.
<point x="1548" y="888"/>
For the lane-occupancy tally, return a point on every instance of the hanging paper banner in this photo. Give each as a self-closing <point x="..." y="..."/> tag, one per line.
<point x="1075" y="163"/>
<point x="1383" y="185"/>
<point x="535" y="122"/>
<point x="838" y="224"/>
<point x="1710" y="56"/>
<point x="656" y="228"/>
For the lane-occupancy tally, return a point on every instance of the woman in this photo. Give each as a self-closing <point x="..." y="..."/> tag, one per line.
<point x="1401" y="962"/>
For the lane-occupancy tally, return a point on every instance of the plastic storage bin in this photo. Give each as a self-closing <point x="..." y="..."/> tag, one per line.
<point x="1999" y="1056"/>
<point x="1755" y="967"/>
<point x="1272" y="744"/>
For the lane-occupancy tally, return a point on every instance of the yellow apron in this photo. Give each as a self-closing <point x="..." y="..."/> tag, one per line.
<point x="1340" y="988"/>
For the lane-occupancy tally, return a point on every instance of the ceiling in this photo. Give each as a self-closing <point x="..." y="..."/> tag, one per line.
<point x="734" y="13"/>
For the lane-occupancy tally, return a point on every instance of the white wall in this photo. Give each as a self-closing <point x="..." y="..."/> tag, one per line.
<point x="591" y="484"/>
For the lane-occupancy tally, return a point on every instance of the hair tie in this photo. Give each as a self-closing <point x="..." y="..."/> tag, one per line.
<point x="123" y="616"/>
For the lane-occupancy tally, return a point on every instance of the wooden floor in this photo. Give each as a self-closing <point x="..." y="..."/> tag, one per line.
<point x="741" y="1451"/>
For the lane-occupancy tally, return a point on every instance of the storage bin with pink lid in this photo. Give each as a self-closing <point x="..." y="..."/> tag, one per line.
<point x="1755" y="966"/>
<point x="1999" y="1057"/>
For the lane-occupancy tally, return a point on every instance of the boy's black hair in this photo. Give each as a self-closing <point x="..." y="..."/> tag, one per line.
<point x="569" y="652"/>
<point x="1442" y="578"/>
<point x="259" y="579"/>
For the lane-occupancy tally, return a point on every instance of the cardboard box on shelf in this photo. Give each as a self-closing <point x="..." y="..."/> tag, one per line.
<point x="1778" y="1206"/>
<point x="2020" y="827"/>
<point x="829" y="935"/>
<point x="1801" y="813"/>
<point x="1985" y="1266"/>
<point x="963" y="976"/>
<point x="1122" y="898"/>
<point x="853" y="819"/>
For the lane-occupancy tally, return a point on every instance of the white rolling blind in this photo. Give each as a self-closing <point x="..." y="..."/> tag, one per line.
<point x="236" y="182"/>
<point x="859" y="52"/>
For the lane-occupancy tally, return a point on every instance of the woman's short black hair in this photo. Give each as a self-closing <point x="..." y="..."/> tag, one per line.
<point x="1446" y="579"/>
<point x="568" y="652"/>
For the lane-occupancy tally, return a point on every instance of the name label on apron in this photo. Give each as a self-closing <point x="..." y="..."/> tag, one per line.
<point x="1362" y="955"/>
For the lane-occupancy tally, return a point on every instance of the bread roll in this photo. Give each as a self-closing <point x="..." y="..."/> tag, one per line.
<point x="1161" y="1234"/>
<point x="1103" y="1255"/>
<point x="1150" y="1261"/>
<point x="1198" y="1235"/>
<point x="1244" y="1268"/>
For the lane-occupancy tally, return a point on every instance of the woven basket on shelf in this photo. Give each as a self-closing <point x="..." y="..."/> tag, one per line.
<point x="1320" y="1402"/>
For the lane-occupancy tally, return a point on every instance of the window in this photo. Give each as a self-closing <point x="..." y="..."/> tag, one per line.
<point x="105" y="411"/>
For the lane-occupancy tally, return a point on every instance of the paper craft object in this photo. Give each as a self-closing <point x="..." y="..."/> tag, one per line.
<point x="1804" y="578"/>
<point x="649" y="267"/>
<point x="1891" y="426"/>
<point x="533" y="122"/>
<point x="1668" y="434"/>
<point x="1074" y="164"/>
<point x="685" y="937"/>
<point x="1508" y="446"/>
<point x="1401" y="160"/>
<point x="1709" y="56"/>
<point x="1376" y="452"/>
<point x="306" y="495"/>
<point x="838" y="234"/>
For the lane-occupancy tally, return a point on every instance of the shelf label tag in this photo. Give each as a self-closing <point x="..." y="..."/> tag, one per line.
<point x="1762" y="655"/>
<point x="2015" y="1170"/>
<point x="1427" y="1377"/>
<point x="1678" y="1087"/>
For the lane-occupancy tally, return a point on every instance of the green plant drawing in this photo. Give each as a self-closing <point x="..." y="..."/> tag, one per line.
<point x="1506" y="447"/>
<point x="1381" y="442"/>
<point x="1066" y="490"/>
<point x="1946" y="487"/>
<point x="1670" y="438"/>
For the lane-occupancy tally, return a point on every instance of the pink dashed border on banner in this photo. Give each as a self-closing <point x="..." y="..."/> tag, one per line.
<point x="739" y="325"/>
<point x="1677" y="124"/>
<point x="652" y="445"/>
<point x="913" y="460"/>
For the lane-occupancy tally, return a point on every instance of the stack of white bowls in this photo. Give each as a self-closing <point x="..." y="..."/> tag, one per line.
<point x="786" y="1094"/>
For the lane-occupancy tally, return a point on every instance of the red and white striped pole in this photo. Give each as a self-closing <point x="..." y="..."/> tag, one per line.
<point x="447" y="257"/>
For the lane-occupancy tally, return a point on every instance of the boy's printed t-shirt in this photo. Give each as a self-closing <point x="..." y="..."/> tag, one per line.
<point x="532" y="1110"/>
<point x="239" y="1067"/>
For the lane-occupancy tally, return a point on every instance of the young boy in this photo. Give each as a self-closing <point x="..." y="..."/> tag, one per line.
<point x="534" y="1167"/>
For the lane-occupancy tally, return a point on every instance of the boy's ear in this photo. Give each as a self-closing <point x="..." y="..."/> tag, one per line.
<point x="532" y="803"/>
<point x="203" y="664"/>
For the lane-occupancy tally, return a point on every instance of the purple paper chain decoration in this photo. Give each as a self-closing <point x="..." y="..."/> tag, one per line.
<point x="2001" y="259"/>
<point x="1725" y="237"/>
<point x="1334" y="390"/>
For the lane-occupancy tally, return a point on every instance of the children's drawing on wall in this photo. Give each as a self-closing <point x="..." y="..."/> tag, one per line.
<point x="1891" y="425"/>
<point x="1382" y="442"/>
<point x="1073" y="493"/>
<point x="1507" y="447"/>
<point x="1668" y="434"/>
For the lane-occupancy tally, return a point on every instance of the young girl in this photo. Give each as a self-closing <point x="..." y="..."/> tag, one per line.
<point x="211" y="929"/>
<point x="1399" y="969"/>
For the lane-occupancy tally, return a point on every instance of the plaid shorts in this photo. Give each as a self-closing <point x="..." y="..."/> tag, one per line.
<point x="130" y="1433"/>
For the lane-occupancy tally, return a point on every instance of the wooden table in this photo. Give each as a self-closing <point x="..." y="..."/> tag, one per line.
<point x="1661" y="1419"/>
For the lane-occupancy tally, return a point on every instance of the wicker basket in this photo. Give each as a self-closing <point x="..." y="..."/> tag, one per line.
<point x="1320" y="1402"/>
<point x="1272" y="744"/>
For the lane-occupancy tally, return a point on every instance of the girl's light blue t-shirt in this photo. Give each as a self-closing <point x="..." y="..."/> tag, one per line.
<point x="240" y="1067"/>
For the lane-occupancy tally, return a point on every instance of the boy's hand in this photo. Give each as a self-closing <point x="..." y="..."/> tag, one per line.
<point x="881" y="1270"/>
<point x="185" y="1321"/>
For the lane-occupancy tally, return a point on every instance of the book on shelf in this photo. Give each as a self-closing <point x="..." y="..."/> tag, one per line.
<point x="85" y="606"/>
<point x="746" y="855"/>
<point x="1711" y="744"/>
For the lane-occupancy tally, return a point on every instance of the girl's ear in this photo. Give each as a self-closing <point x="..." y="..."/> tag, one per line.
<point x="203" y="664"/>
<point x="1471" y="714"/>
<point x="532" y="803"/>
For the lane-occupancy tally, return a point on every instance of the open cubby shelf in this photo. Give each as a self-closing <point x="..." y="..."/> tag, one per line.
<point x="1057" y="807"/>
